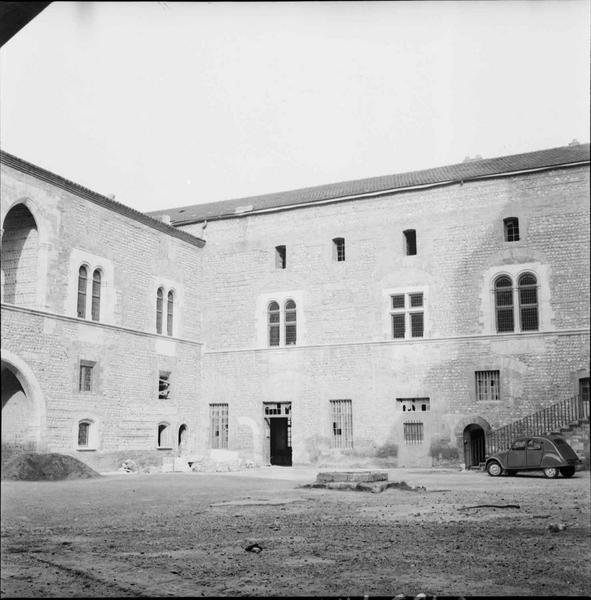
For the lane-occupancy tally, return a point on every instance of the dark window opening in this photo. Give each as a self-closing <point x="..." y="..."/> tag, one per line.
<point x="164" y="440"/>
<point x="511" y="226"/>
<point x="584" y="389"/>
<point x="85" y="379"/>
<point x="414" y="404"/>
<point x="398" y="330"/>
<point x="218" y="426"/>
<point x="342" y="424"/>
<point x="410" y="242"/>
<point x="416" y="324"/>
<point x="488" y="385"/>
<point x="82" y="283"/>
<point x="163" y="385"/>
<point x="413" y="432"/>
<point x="159" y="309"/>
<point x="504" y="304"/>
<point x="169" y="313"/>
<point x="273" y="323"/>
<point x="290" y="323"/>
<point x="528" y="302"/>
<point x="96" y="295"/>
<point x="339" y="249"/>
<point x="280" y="257"/>
<point x="83" y="433"/>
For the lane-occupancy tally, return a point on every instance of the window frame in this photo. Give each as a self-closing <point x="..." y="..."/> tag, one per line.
<point x="341" y="413"/>
<point x="511" y="229"/>
<point x="164" y="438"/>
<point x="403" y="318"/>
<point x="83" y="365"/>
<point x="482" y="382"/>
<point x="92" y="425"/>
<point x="281" y="323"/>
<point x="516" y="309"/>
<point x="410" y="242"/>
<point x="82" y="291"/>
<point x="338" y="249"/>
<point x="281" y="257"/>
<point x="219" y="413"/>
<point x="413" y="432"/>
<point x="164" y="393"/>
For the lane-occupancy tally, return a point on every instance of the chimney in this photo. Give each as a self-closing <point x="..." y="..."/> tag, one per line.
<point x="165" y="219"/>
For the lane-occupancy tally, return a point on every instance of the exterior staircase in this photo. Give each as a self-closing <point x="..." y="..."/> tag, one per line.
<point x="568" y="418"/>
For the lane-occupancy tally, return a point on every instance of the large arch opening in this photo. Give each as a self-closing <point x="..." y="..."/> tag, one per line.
<point x="20" y="256"/>
<point x="474" y="445"/>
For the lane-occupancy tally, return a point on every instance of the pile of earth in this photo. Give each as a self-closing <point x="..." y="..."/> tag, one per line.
<point x="32" y="466"/>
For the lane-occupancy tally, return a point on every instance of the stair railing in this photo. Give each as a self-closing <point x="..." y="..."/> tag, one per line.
<point x="543" y="421"/>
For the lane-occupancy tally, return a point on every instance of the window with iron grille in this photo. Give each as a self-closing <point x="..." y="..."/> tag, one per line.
<point x="280" y="257"/>
<point x="82" y="285"/>
<point x="342" y="423"/>
<point x="488" y="386"/>
<point x="164" y="385"/>
<point x="528" y="302"/>
<point x="95" y="310"/>
<point x="218" y="426"/>
<point x="85" y="380"/>
<point x="511" y="227"/>
<point x="413" y="404"/>
<point x="407" y="315"/>
<point x="504" y="304"/>
<point x="413" y="432"/>
<point x="338" y="249"/>
<point x="410" y="242"/>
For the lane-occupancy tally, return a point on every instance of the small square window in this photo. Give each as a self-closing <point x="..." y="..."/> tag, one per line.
<point x="398" y="301"/>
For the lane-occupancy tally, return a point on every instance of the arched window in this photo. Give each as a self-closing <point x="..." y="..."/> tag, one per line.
<point x="528" y="302"/>
<point x="290" y="323"/>
<point x="273" y="322"/>
<point x="164" y="440"/>
<point x="169" y="313"/>
<point x="96" y="295"/>
<point x="82" y="285"/>
<point x="159" y="309"/>
<point x="504" y="304"/>
<point x="85" y="433"/>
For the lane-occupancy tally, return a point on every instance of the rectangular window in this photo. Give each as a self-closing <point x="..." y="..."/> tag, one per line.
<point x="342" y="424"/>
<point x="280" y="257"/>
<point x="413" y="432"/>
<point x="410" y="242"/>
<point x="488" y="386"/>
<point x="511" y="226"/>
<point x="413" y="404"/>
<point x="86" y="375"/>
<point x="338" y="245"/>
<point x="218" y="426"/>
<point x="584" y="389"/>
<point x="83" y="433"/>
<point x="407" y="314"/>
<point x="164" y="385"/>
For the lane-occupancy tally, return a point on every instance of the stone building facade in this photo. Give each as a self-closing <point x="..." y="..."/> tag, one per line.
<point x="400" y="318"/>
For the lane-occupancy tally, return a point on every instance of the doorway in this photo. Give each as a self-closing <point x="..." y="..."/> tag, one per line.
<point x="474" y="445"/>
<point x="277" y="449"/>
<point x="182" y="440"/>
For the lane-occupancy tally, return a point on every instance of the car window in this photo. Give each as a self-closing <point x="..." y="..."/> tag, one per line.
<point x="518" y="445"/>
<point x="534" y="445"/>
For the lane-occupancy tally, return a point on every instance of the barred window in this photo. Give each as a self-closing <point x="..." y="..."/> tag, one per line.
<point x="96" y="295"/>
<point x="82" y="285"/>
<point x="407" y="314"/>
<point x="218" y="426"/>
<point x="528" y="302"/>
<point x="413" y="404"/>
<point x="413" y="432"/>
<point x="169" y="312"/>
<point x="511" y="227"/>
<point x="159" y="309"/>
<point x="280" y="257"/>
<point x="164" y="436"/>
<point x="164" y="385"/>
<point x="273" y="323"/>
<point x="342" y="424"/>
<point x="410" y="242"/>
<point x="85" y="376"/>
<point x="504" y="304"/>
<point x="338" y="248"/>
<point x="290" y="323"/>
<point x="488" y="386"/>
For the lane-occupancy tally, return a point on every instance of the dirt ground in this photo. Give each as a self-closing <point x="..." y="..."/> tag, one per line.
<point x="183" y="534"/>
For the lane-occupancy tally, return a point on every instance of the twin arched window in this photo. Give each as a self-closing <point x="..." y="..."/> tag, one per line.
<point x="95" y="293"/>
<point x="522" y="299"/>
<point x="288" y="324"/>
<point x="160" y="310"/>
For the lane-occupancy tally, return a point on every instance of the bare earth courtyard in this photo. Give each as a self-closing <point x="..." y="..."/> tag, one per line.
<point x="183" y="534"/>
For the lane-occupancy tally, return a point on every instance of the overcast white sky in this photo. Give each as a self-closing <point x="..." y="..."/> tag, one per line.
<point x="166" y="104"/>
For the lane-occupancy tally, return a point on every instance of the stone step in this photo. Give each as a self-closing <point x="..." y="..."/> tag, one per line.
<point x="341" y="476"/>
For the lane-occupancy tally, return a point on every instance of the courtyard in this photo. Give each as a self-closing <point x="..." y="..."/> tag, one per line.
<point x="186" y="534"/>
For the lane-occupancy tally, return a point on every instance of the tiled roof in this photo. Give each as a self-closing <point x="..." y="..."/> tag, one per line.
<point x="151" y="221"/>
<point x="465" y="171"/>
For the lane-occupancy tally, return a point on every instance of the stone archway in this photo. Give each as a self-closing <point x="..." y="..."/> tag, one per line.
<point x="23" y="409"/>
<point x="471" y="435"/>
<point x="183" y="440"/>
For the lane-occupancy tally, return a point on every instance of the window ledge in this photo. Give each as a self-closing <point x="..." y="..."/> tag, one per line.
<point x="164" y="448"/>
<point x="86" y="449"/>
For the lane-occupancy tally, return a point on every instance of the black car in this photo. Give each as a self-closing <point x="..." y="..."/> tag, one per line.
<point x="548" y="453"/>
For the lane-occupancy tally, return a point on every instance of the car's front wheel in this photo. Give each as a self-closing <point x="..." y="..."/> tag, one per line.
<point x="494" y="468"/>
<point x="567" y="471"/>
<point x="551" y="472"/>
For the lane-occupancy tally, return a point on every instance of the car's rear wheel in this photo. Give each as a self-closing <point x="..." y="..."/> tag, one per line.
<point x="494" y="468"/>
<point x="551" y="472"/>
<point x="567" y="471"/>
